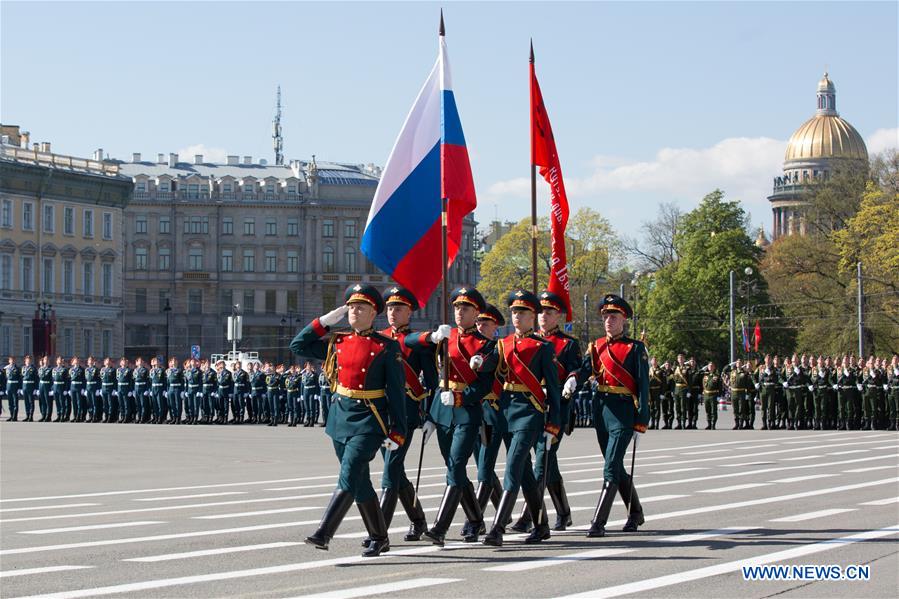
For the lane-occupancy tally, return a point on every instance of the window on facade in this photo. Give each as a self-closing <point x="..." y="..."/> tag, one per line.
<point x="140" y="223"/>
<point x="269" y="190"/>
<point x="68" y="221"/>
<point x="349" y="228"/>
<point x="291" y="190"/>
<point x="227" y="300"/>
<point x="195" y="259"/>
<point x="249" y="226"/>
<point x="87" y="342"/>
<point x="163" y="298"/>
<point x="140" y="187"/>
<point x="49" y="224"/>
<point x="48" y="275"/>
<point x="107" y="343"/>
<point x="227" y="260"/>
<point x="270" y="301"/>
<point x="107" y="280"/>
<point x="140" y="300"/>
<point x="68" y="342"/>
<point x="140" y="258"/>
<point x="227" y="226"/>
<point x="327" y="228"/>
<point x="271" y="261"/>
<point x="27" y="273"/>
<point x="226" y="188"/>
<point x="68" y="278"/>
<point x="6" y="214"/>
<point x="195" y="334"/>
<point x="293" y="261"/>
<point x="293" y="227"/>
<point x="249" y="260"/>
<point x="292" y="300"/>
<point x="196" y="225"/>
<point x="107" y="225"/>
<point x="165" y="225"/>
<point x="6" y="341"/>
<point x="249" y="301"/>
<point x="195" y="301"/>
<point x="6" y="272"/>
<point x="164" y="258"/>
<point x="249" y="187"/>
<point x="88" y="228"/>
<point x="328" y="260"/>
<point x="271" y="227"/>
<point x="27" y="216"/>
<point x="88" y="279"/>
<point x="26" y="340"/>
<point x="349" y="261"/>
<point x="193" y="191"/>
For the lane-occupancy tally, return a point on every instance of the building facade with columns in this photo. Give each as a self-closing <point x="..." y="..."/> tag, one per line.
<point x="61" y="245"/>
<point x="824" y="143"/>
<point x="281" y="242"/>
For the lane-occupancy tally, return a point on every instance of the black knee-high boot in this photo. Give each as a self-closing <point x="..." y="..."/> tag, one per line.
<point x="603" y="509"/>
<point x="337" y="508"/>
<point x="503" y="515"/>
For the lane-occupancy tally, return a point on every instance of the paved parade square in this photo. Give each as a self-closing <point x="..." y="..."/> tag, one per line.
<point x="148" y="511"/>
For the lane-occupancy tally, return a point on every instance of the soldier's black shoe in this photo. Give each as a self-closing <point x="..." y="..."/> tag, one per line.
<point x="387" y="506"/>
<point x="603" y="509"/>
<point x="413" y="510"/>
<point x="494" y="538"/>
<point x="472" y="509"/>
<point x="337" y="508"/>
<point x="537" y="508"/>
<point x="524" y="522"/>
<point x="373" y="518"/>
<point x="448" y="505"/>
<point x="678" y="426"/>
<point x="560" y="502"/>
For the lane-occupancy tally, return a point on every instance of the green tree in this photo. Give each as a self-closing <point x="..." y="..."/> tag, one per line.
<point x="687" y="302"/>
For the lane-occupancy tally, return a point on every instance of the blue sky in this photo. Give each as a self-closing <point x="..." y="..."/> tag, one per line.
<point x="650" y="101"/>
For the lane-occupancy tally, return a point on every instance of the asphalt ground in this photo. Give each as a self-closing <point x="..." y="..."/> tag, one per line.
<point x="220" y="511"/>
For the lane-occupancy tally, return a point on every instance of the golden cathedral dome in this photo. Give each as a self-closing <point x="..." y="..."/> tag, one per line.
<point x="826" y="135"/>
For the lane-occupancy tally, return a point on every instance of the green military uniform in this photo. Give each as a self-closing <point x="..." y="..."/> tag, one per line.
<point x="45" y="387"/>
<point x="846" y="387"/>
<point x="893" y="397"/>
<point x="95" y="404"/>
<point x="872" y="398"/>
<point x="682" y="395"/>
<point x="767" y="382"/>
<point x="824" y="398"/>
<point x="741" y="387"/>
<point x="658" y="386"/>
<point x="667" y="397"/>
<point x="796" y="382"/>
<point x="711" y="389"/>
<point x="696" y="396"/>
<point x="365" y="370"/>
<point x="29" y="390"/>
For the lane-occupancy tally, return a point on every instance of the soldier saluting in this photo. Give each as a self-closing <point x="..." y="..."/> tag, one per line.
<point x="368" y="409"/>
<point x="621" y="369"/>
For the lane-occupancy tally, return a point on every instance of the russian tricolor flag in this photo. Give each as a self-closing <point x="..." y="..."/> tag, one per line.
<point x="429" y="161"/>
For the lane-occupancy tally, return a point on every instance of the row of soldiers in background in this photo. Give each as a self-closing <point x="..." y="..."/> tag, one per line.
<point x="814" y="393"/>
<point x="195" y="392"/>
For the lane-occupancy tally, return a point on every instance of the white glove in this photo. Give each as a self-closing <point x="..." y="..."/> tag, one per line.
<point x="199" y="395"/>
<point x="447" y="398"/>
<point x="569" y="387"/>
<point x="767" y="371"/>
<point x="835" y="387"/>
<point x="796" y="369"/>
<point x="811" y="388"/>
<point x="146" y="394"/>
<point x="785" y="384"/>
<point x="115" y="393"/>
<point x="390" y="445"/>
<point x="428" y="429"/>
<point x="476" y="361"/>
<point x="756" y="385"/>
<point x="661" y="397"/>
<point x="66" y="393"/>
<point x="334" y="316"/>
<point x="36" y="392"/>
<point x="442" y="332"/>
<point x="130" y="394"/>
<point x="689" y="395"/>
<point x="548" y="437"/>
<point x="885" y="387"/>
<point x="19" y="392"/>
<point x="859" y="386"/>
<point x="97" y="393"/>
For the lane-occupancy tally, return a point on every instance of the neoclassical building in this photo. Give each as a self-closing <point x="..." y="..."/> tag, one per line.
<point x="279" y="241"/>
<point x="61" y="245"/>
<point x="824" y="143"/>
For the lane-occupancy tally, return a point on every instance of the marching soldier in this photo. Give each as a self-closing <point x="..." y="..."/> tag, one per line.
<point x="820" y="379"/>
<point x="60" y="388"/>
<point x="495" y="428"/>
<point x="257" y="389"/>
<point x="45" y="386"/>
<point x="532" y="405"/>
<point x="683" y="374"/>
<point x="241" y="388"/>
<point x="696" y="392"/>
<point x="870" y="395"/>
<point x="767" y="379"/>
<point x="2" y="387"/>
<point x="272" y="387"/>
<point x="174" y="384"/>
<point x="795" y="384"/>
<point x="667" y="397"/>
<point x="657" y="387"/>
<point x="193" y="377"/>
<point x="76" y="391"/>
<point x="711" y="389"/>
<point x="365" y="369"/>
<point x="893" y="393"/>
<point x="92" y="387"/>
<point x="808" y="416"/>
<point x="844" y="385"/>
<point x="29" y="388"/>
<point x="124" y="382"/>
<point x="225" y="388"/>
<point x="107" y="385"/>
<point x="210" y="386"/>
<point x="13" y="388"/>
<point x="621" y="369"/>
<point x="324" y="395"/>
<point x="400" y="303"/>
<point x="310" y="383"/>
<point x="157" y="392"/>
<point x="458" y="415"/>
<point x="141" y="377"/>
<point x="741" y="387"/>
<point x="568" y="356"/>
<point x="292" y="383"/>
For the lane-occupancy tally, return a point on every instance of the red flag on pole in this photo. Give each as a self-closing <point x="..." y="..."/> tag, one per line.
<point x="544" y="155"/>
<point x="757" y="336"/>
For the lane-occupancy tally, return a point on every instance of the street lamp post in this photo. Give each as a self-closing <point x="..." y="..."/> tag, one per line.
<point x="745" y="288"/>
<point x="168" y="325"/>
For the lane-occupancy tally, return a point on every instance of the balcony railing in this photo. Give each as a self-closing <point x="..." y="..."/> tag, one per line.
<point x="33" y="156"/>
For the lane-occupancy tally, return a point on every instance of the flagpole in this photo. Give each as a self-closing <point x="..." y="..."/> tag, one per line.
<point x="533" y="185"/>
<point x="444" y="219"/>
